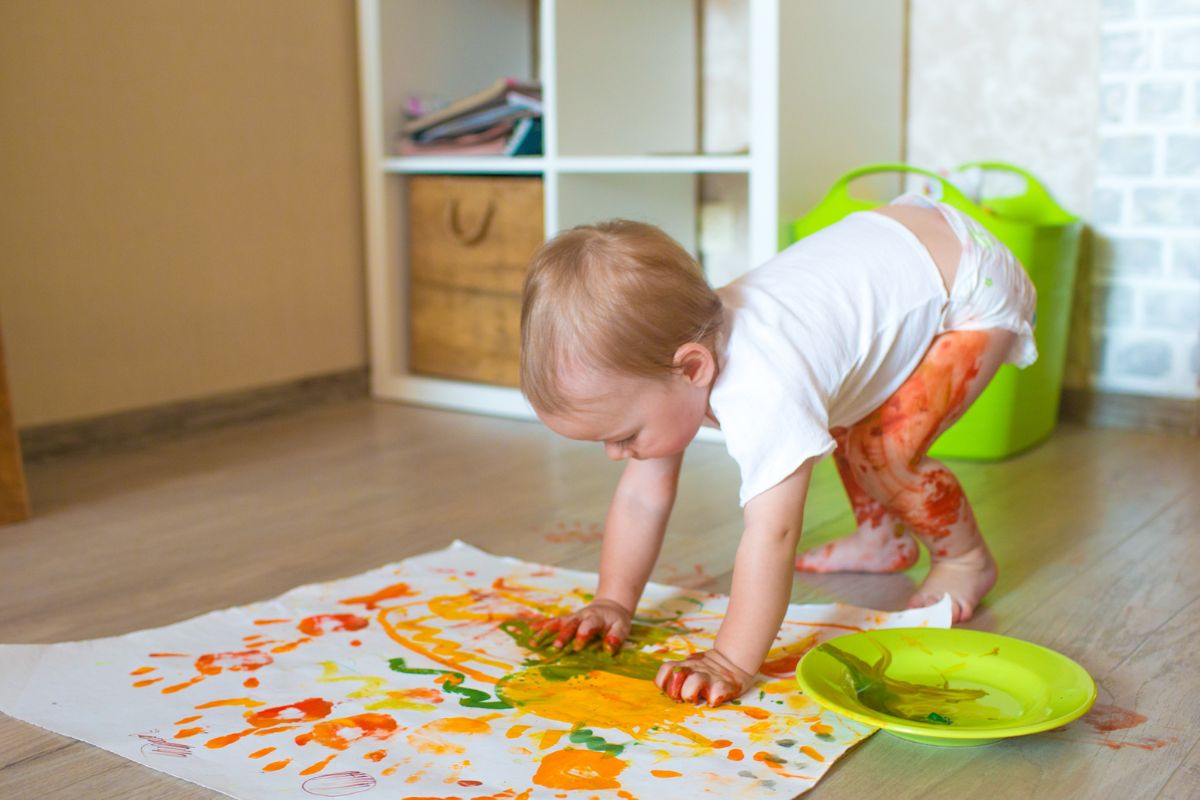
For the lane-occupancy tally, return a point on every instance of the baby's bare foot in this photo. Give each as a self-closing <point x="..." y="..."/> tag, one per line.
<point x="886" y="547"/>
<point x="967" y="578"/>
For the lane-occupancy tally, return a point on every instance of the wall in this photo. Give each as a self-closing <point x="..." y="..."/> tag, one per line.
<point x="1147" y="199"/>
<point x="1099" y="98"/>
<point x="181" y="214"/>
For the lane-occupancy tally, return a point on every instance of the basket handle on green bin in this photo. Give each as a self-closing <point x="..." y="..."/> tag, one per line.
<point x="1035" y="190"/>
<point x="950" y="193"/>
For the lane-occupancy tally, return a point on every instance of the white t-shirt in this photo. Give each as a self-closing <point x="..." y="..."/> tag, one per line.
<point x="819" y="337"/>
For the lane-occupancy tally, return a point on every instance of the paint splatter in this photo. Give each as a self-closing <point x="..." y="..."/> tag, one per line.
<point x="564" y="534"/>
<point x="579" y="769"/>
<point x="1108" y="718"/>
<point x="911" y="701"/>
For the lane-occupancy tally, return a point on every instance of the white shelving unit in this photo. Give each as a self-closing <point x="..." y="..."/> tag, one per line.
<point x="677" y="112"/>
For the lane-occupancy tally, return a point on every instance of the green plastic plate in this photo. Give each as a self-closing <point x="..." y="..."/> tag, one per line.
<point x="946" y="686"/>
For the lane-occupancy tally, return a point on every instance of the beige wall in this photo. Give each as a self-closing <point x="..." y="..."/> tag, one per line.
<point x="1015" y="82"/>
<point x="180" y="213"/>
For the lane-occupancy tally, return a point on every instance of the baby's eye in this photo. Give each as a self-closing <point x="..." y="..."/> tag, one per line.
<point x="628" y="440"/>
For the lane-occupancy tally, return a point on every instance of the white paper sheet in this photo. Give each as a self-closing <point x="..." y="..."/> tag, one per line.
<point x="408" y="682"/>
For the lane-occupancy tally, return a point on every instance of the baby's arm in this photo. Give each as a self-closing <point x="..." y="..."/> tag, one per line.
<point x="762" y="585"/>
<point x="633" y="533"/>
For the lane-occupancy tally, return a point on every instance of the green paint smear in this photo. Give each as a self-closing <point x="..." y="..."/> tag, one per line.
<point x="586" y="737"/>
<point x="471" y="698"/>
<point x="564" y="664"/>
<point x="940" y="705"/>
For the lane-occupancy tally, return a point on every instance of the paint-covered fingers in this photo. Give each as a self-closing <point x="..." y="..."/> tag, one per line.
<point x="671" y="677"/>
<point x="544" y="630"/>
<point x="707" y="677"/>
<point x="567" y="630"/>
<point x="605" y="621"/>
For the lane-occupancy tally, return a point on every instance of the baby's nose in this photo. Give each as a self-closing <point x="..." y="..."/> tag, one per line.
<point x="614" y="452"/>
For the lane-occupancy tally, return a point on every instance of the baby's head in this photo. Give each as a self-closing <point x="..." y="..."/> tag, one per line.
<point x="618" y="331"/>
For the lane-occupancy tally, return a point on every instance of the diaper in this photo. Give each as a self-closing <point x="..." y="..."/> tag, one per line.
<point x="991" y="289"/>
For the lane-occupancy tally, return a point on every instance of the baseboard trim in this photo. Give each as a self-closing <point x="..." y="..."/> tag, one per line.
<point x="1131" y="411"/>
<point x="142" y="427"/>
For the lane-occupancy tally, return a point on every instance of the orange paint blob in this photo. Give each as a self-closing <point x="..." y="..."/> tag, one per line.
<point x="308" y="710"/>
<point x="143" y="670"/>
<point x="277" y="765"/>
<point x="232" y="701"/>
<point x="665" y="773"/>
<point x="355" y="643"/>
<point x="784" y="664"/>
<point x="269" y="621"/>
<point x="320" y="765"/>
<point x="579" y="769"/>
<point x="186" y="720"/>
<point x="267" y="721"/>
<point x="756" y="713"/>
<point x="186" y="732"/>
<point x="720" y="743"/>
<point x="372" y="601"/>
<point x="811" y="753"/>
<point x="430" y="737"/>
<point x="263" y="752"/>
<point x="214" y="663"/>
<point x="735" y="754"/>
<point x="327" y="623"/>
<point x="250" y="683"/>
<point x="515" y="731"/>
<point x="146" y="682"/>
<point x="329" y="733"/>
<point x="549" y="739"/>
<point x="290" y="646"/>
<point x="376" y="755"/>
<point x="169" y="655"/>
<point x="181" y="686"/>
<point x="820" y="728"/>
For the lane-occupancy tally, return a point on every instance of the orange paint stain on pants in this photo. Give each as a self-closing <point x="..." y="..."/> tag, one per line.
<point x="882" y="457"/>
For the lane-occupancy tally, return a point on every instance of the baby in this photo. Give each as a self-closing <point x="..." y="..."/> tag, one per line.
<point x="865" y="340"/>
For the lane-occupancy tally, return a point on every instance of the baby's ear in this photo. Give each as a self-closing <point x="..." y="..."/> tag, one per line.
<point x="696" y="364"/>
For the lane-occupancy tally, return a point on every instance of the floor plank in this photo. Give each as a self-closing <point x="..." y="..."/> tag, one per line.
<point x="1094" y="532"/>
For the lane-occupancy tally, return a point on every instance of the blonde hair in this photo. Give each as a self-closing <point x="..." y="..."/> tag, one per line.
<point x="625" y="291"/>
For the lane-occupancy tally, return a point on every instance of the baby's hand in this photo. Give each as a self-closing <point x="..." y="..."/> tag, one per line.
<point x="601" y="618"/>
<point x="707" y="676"/>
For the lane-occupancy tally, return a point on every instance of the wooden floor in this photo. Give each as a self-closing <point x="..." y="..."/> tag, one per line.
<point x="1096" y="534"/>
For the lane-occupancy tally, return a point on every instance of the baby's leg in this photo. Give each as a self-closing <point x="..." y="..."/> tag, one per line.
<point x="886" y="452"/>
<point x="881" y="543"/>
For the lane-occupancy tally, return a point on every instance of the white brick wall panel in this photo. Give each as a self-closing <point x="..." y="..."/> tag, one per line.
<point x="1168" y="207"/>
<point x="1183" y="156"/>
<point x="1126" y="155"/>
<point x="1181" y="48"/>
<point x="1185" y="259"/>
<point x="1124" y="51"/>
<point x="1108" y="206"/>
<point x="1174" y="8"/>
<point x="1160" y="101"/>
<point x="1140" y="357"/>
<point x="1121" y="256"/>
<point x="1171" y="310"/>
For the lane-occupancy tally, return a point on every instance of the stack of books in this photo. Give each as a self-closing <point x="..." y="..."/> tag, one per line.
<point x="503" y="119"/>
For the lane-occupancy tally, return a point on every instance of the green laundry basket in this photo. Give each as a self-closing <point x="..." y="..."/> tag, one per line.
<point x="1019" y="408"/>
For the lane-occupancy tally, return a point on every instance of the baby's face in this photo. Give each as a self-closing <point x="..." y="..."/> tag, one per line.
<point x="634" y="417"/>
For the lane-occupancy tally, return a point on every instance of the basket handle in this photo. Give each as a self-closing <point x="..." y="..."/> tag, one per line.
<point x="469" y="238"/>
<point x="950" y="192"/>
<point x="1034" y="189"/>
